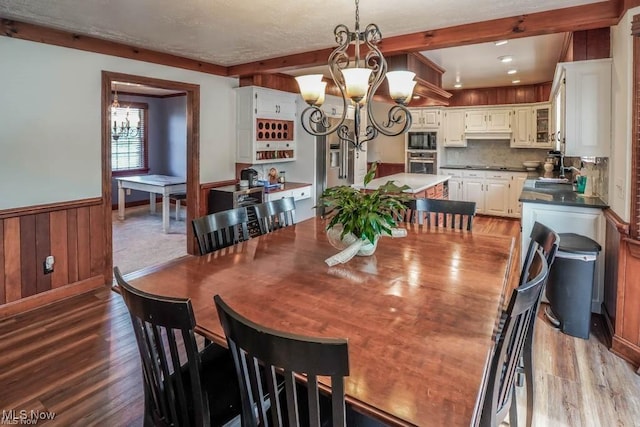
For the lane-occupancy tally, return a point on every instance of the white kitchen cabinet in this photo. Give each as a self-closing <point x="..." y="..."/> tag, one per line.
<point x="515" y="189"/>
<point x="300" y="193"/>
<point x="530" y="125"/>
<point x="454" y="129"/>
<point x="522" y="127"/>
<point x="541" y="125"/>
<point x="425" y="118"/>
<point x="455" y="183"/>
<point x="496" y="193"/>
<point x="473" y="189"/>
<point x="588" y="222"/>
<point x="274" y="104"/>
<point x="583" y="115"/>
<point x="265" y="125"/>
<point x="487" y="120"/>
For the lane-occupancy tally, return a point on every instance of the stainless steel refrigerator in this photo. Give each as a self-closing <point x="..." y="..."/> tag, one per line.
<point x="335" y="161"/>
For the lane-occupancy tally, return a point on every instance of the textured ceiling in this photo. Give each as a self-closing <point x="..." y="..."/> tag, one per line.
<point x="230" y="32"/>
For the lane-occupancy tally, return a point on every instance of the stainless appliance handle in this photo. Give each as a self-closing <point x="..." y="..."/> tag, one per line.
<point x="345" y="164"/>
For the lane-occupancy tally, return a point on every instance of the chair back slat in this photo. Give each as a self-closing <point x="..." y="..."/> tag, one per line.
<point x="510" y="343"/>
<point x="155" y="319"/>
<point x="275" y="214"/>
<point x="290" y="354"/>
<point x="443" y="212"/>
<point x="221" y="229"/>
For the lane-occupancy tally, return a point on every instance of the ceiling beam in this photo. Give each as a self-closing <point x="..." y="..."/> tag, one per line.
<point x="37" y="33"/>
<point x="596" y="15"/>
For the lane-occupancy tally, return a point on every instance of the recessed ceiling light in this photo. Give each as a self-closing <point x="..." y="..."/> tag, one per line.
<point x="501" y="42"/>
<point x="457" y="85"/>
<point x="512" y="71"/>
<point x="505" y="59"/>
<point x="515" y="81"/>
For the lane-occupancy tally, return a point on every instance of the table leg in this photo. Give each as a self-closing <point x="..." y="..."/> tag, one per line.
<point x="165" y="213"/>
<point x="152" y="203"/>
<point x="120" y="201"/>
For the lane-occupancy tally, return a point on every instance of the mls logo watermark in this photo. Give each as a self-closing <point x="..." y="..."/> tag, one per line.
<point x="24" y="417"/>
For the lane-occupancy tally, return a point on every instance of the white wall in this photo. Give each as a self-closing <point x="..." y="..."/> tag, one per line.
<point x="385" y="149"/>
<point x="50" y="120"/>
<point x="622" y="84"/>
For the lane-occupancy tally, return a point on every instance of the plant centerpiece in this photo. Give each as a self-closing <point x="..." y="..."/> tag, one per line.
<point x="362" y="214"/>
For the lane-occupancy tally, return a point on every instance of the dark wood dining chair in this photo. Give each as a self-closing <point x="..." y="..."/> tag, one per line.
<point x="446" y="213"/>
<point x="255" y="346"/>
<point x="545" y="240"/>
<point x="275" y="214"/>
<point x="499" y="396"/>
<point x="183" y="386"/>
<point x="221" y="229"/>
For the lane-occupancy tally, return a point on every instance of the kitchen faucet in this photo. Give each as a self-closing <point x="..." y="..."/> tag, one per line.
<point x="564" y="168"/>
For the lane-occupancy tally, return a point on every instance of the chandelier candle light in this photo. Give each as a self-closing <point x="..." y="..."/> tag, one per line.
<point x="358" y="85"/>
<point x="126" y="129"/>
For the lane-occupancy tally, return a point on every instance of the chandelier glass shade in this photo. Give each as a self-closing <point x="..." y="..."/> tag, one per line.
<point x="358" y="80"/>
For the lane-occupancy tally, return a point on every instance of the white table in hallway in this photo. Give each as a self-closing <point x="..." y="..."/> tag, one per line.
<point x="154" y="184"/>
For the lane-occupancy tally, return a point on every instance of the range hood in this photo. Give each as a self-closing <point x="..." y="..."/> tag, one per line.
<point x="488" y="135"/>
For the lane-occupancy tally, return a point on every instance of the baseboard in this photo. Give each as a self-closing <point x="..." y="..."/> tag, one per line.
<point x="114" y="206"/>
<point x="627" y="350"/>
<point x="48" y="297"/>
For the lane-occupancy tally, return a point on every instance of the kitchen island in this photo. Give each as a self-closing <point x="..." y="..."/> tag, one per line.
<point x="557" y="206"/>
<point x="420" y="184"/>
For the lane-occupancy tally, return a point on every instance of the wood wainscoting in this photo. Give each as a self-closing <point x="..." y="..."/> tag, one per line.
<point x="622" y="289"/>
<point x="72" y="232"/>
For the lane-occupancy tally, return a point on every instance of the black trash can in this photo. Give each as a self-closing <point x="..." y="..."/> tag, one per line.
<point x="570" y="285"/>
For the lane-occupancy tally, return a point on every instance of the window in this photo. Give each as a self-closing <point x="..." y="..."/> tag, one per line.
<point x="635" y="134"/>
<point x="129" y="147"/>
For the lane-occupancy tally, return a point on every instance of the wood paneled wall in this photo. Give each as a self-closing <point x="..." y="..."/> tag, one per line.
<point x="591" y="44"/>
<point x="622" y="289"/>
<point x="73" y="233"/>
<point x="501" y="95"/>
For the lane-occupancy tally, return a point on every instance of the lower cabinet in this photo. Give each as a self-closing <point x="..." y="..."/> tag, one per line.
<point x="495" y="193"/>
<point x="489" y="190"/>
<point x="297" y="194"/>
<point x="588" y="222"/>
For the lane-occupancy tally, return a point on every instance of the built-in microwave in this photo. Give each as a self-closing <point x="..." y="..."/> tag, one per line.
<point x="422" y="140"/>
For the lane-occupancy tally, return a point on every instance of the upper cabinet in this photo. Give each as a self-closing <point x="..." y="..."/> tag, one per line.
<point x="425" y="118"/>
<point x="487" y="120"/>
<point x="454" y="128"/>
<point x="530" y="126"/>
<point x="265" y="125"/>
<point x="274" y="104"/>
<point x="581" y="94"/>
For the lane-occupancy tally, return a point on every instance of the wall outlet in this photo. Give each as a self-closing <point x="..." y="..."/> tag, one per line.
<point x="128" y="191"/>
<point x="48" y="264"/>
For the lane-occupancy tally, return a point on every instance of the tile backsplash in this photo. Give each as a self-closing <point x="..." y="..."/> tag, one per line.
<point x="599" y="171"/>
<point x="491" y="153"/>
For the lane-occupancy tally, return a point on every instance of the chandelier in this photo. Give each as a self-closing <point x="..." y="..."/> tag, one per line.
<point x="129" y="126"/>
<point x="358" y="84"/>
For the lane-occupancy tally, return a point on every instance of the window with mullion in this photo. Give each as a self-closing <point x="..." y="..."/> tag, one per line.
<point x="129" y="146"/>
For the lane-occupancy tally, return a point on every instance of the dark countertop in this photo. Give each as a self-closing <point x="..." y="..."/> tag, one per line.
<point x="486" y="168"/>
<point x="558" y="194"/>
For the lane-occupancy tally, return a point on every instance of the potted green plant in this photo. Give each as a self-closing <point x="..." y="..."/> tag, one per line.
<point x="362" y="214"/>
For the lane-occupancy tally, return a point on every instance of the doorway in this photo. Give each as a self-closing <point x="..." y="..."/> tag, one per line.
<point x="192" y="154"/>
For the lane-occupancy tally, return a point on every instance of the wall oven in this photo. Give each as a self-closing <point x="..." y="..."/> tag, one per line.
<point x="422" y="161"/>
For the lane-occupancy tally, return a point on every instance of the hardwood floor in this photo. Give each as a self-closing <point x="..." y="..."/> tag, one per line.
<point x="78" y="359"/>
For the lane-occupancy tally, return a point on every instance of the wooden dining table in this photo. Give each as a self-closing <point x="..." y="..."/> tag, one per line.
<point x="420" y="314"/>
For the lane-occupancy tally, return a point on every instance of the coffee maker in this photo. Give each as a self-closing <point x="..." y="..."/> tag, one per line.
<point x="249" y="175"/>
